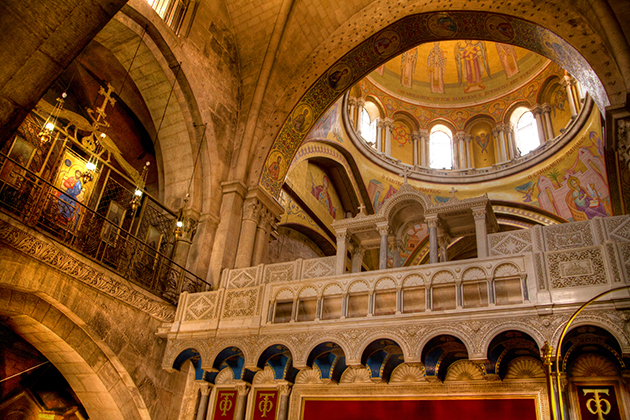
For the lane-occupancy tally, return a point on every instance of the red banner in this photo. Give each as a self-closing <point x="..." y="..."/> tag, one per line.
<point x="447" y="409"/>
<point x="265" y="404"/>
<point x="598" y="402"/>
<point x="225" y="405"/>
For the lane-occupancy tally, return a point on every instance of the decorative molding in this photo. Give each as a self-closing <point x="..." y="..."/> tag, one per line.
<point x="79" y="268"/>
<point x="406" y="373"/>
<point x="464" y="370"/>
<point x="593" y="365"/>
<point x="523" y="368"/>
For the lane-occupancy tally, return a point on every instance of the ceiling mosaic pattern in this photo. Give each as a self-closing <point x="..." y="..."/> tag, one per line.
<point x="399" y="37"/>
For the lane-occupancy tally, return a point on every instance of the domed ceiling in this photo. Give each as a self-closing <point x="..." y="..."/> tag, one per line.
<point x="457" y="73"/>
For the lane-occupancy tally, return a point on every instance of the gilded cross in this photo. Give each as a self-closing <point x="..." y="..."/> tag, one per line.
<point x="100" y="111"/>
<point x="361" y="208"/>
<point x="453" y="191"/>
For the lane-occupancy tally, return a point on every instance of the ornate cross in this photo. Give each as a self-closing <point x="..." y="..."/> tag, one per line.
<point x="100" y="114"/>
<point x="405" y="173"/>
<point x="361" y="208"/>
<point x="453" y="191"/>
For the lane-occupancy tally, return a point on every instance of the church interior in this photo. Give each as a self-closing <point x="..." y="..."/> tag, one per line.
<point x="292" y="209"/>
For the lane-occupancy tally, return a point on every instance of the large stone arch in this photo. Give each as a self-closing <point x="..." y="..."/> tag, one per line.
<point x="95" y="374"/>
<point x="413" y="29"/>
<point x="155" y="72"/>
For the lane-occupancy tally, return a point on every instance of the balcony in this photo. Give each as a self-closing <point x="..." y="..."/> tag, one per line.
<point x="107" y="236"/>
<point x="528" y="273"/>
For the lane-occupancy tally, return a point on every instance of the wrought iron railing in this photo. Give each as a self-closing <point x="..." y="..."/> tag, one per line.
<point x="39" y="204"/>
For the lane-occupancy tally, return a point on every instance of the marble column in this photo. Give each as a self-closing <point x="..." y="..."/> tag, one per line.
<point x="379" y="135"/>
<point x="360" y="104"/>
<point x="389" y="126"/>
<point x="202" y="410"/>
<point x="469" y="154"/>
<point x="251" y="217"/>
<point x="433" y="223"/>
<point x="511" y="140"/>
<point x="424" y="147"/>
<point x="443" y="243"/>
<point x="415" y="138"/>
<point x="566" y="83"/>
<point x="342" y="246"/>
<point x="357" y="258"/>
<point x="284" y="392"/>
<point x="241" y="402"/>
<point x="498" y="145"/>
<point x="547" y="120"/>
<point x="461" y="149"/>
<point x="262" y="237"/>
<point x="383" y="231"/>
<point x="455" y="152"/>
<point x="481" y="231"/>
<point x="537" y="111"/>
<point x="352" y="106"/>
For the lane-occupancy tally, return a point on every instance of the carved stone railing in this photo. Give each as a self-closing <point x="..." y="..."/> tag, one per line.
<point x="532" y="268"/>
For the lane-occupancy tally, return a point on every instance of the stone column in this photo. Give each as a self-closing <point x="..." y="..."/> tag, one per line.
<point x="566" y="83"/>
<point x="202" y="411"/>
<point x="537" y="111"/>
<point x="481" y="231"/>
<point x="284" y="392"/>
<point x="498" y="145"/>
<point x="443" y="243"/>
<point x="547" y="120"/>
<point x="512" y="140"/>
<point x="379" y="135"/>
<point x="389" y="126"/>
<point x="225" y="245"/>
<point x="415" y="137"/>
<point x="469" y="154"/>
<point x="463" y="160"/>
<point x="251" y="217"/>
<point x="433" y="224"/>
<point x="383" y="230"/>
<point x="357" y="258"/>
<point x="262" y="237"/>
<point x="360" y="104"/>
<point x="342" y="246"/>
<point x="352" y="106"/>
<point x="424" y="155"/>
<point x="455" y="151"/>
<point x="201" y="250"/>
<point x="398" y="246"/>
<point x="241" y="402"/>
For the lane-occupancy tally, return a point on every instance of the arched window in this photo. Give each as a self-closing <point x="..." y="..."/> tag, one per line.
<point x="368" y="127"/>
<point x="525" y="130"/>
<point x="440" y="147"/>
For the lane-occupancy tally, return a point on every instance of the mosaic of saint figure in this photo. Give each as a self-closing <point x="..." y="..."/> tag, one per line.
<point x="320" y="192"/>
<point x="588" y="202"/>
<point x="507" y="55"/>
<point x="471" y="62"/>
<point x="436" y="63"/>
<point x="408" y="61"/>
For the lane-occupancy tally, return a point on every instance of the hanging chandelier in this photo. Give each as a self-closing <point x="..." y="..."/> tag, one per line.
<point x="50" y="124"/>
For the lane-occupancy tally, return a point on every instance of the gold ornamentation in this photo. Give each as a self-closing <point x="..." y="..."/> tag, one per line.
<point x="598" y="405"/>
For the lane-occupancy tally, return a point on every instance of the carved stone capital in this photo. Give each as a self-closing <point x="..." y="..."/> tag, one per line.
<point x="204" y="387"/>
<point x="415" y="137"/>
<point x="433" y="222"/>
<point x="284" y="390"/>
<point x="358" y="251"/>
<point x="546" y="108"/>
<point x="382" y="230"/>
<point x="242" y="390"/>
<point x="536" y="109"/>
<point x="479" y="214"/>
<point x="341" y="235"/>
<point x="251" y="210"/>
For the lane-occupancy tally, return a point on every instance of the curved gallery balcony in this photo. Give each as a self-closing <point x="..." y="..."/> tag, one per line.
<point x="514" y="118"/>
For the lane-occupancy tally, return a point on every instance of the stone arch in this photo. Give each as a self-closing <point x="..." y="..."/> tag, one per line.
<point x="285" y="293"/>
<point x="506" y="270"/>
<point x="181" y="128"/>
<point x="399" y="37"/>
<point x="597" y="320"/>
<point x="380" y="284"/>
<point x="355" y="286"/>
<point x="379" y="105"/>
<point x="484" y="343"/>
<point x="475" y="273"/>
<point x="99" y="380"/>
<point x="409" y="120"/>
<point x="316" y="341"/>
<point x="442" y="276"/>
<point x="446" y="330"/>
<point x="507" y="114"/>
<point x="548" y="85"/>
<point x="265" y="345"/>
<point x="385" y="335"/>
<point x="406" y="194"/>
